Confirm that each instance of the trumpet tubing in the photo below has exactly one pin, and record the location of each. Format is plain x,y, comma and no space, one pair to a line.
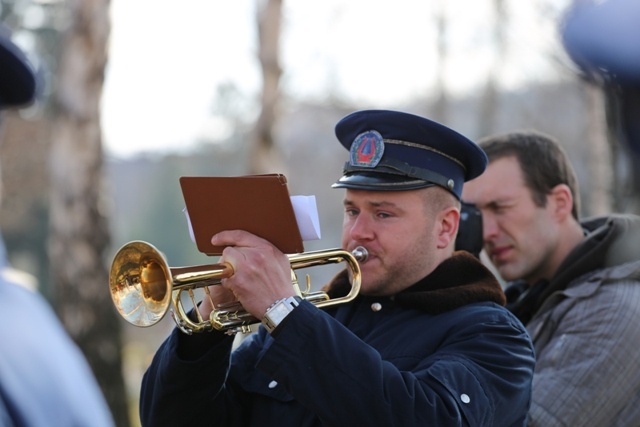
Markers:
143,287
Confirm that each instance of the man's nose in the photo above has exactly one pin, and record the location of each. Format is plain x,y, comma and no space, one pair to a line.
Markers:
489,227
361,228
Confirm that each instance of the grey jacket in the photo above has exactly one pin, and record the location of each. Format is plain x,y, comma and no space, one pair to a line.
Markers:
586,335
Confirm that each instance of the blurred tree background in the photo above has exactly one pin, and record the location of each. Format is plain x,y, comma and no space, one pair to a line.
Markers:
68,204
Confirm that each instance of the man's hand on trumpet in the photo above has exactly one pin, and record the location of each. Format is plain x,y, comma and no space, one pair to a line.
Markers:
262,274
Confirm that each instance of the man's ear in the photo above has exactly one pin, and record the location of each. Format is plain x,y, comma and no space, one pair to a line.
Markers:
448,221
561,200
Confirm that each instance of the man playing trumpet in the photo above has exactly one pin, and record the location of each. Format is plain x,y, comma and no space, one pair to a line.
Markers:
426,342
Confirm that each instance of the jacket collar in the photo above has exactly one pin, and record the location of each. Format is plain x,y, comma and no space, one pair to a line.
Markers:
610,241
460,280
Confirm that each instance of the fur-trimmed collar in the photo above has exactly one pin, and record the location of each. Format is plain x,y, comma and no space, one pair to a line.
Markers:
459,280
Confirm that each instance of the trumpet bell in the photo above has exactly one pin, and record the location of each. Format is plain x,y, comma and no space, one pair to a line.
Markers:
140,283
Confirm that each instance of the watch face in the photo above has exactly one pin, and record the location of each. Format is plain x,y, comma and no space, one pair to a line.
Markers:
278,312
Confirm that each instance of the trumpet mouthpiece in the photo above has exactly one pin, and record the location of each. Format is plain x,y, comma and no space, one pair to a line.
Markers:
360,253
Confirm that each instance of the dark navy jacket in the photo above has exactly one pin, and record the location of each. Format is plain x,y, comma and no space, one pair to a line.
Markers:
442,353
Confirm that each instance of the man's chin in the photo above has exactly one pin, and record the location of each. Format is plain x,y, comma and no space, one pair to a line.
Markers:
368,286
508,274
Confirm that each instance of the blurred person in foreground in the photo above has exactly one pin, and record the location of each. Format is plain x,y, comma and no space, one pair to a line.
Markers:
602,38
426,342
575,284
44,378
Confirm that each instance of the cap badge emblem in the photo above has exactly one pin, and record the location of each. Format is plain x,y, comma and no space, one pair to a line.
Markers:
367,149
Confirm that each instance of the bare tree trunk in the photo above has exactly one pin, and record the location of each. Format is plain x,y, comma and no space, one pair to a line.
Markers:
78,225
600,162
441,104
265,156
489,103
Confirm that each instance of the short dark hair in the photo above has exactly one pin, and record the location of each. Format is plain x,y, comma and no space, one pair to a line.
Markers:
543,162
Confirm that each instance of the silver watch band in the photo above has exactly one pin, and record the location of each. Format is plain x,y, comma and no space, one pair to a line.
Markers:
278,311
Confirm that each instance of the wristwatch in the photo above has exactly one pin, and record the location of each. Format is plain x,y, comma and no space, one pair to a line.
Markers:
278,311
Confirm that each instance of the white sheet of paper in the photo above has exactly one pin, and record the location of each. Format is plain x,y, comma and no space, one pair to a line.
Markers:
305,210
191,234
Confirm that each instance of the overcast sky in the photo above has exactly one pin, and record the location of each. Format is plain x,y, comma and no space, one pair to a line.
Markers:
167,58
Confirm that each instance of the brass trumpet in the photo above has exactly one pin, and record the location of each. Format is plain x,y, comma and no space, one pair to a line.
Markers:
143,286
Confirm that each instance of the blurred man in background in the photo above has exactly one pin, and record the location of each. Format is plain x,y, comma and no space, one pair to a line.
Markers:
574,284
44,378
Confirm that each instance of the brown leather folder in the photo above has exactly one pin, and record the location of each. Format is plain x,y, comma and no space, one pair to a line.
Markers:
260,204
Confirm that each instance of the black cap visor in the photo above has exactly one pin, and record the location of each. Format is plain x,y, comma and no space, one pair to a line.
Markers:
17,80
375,181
